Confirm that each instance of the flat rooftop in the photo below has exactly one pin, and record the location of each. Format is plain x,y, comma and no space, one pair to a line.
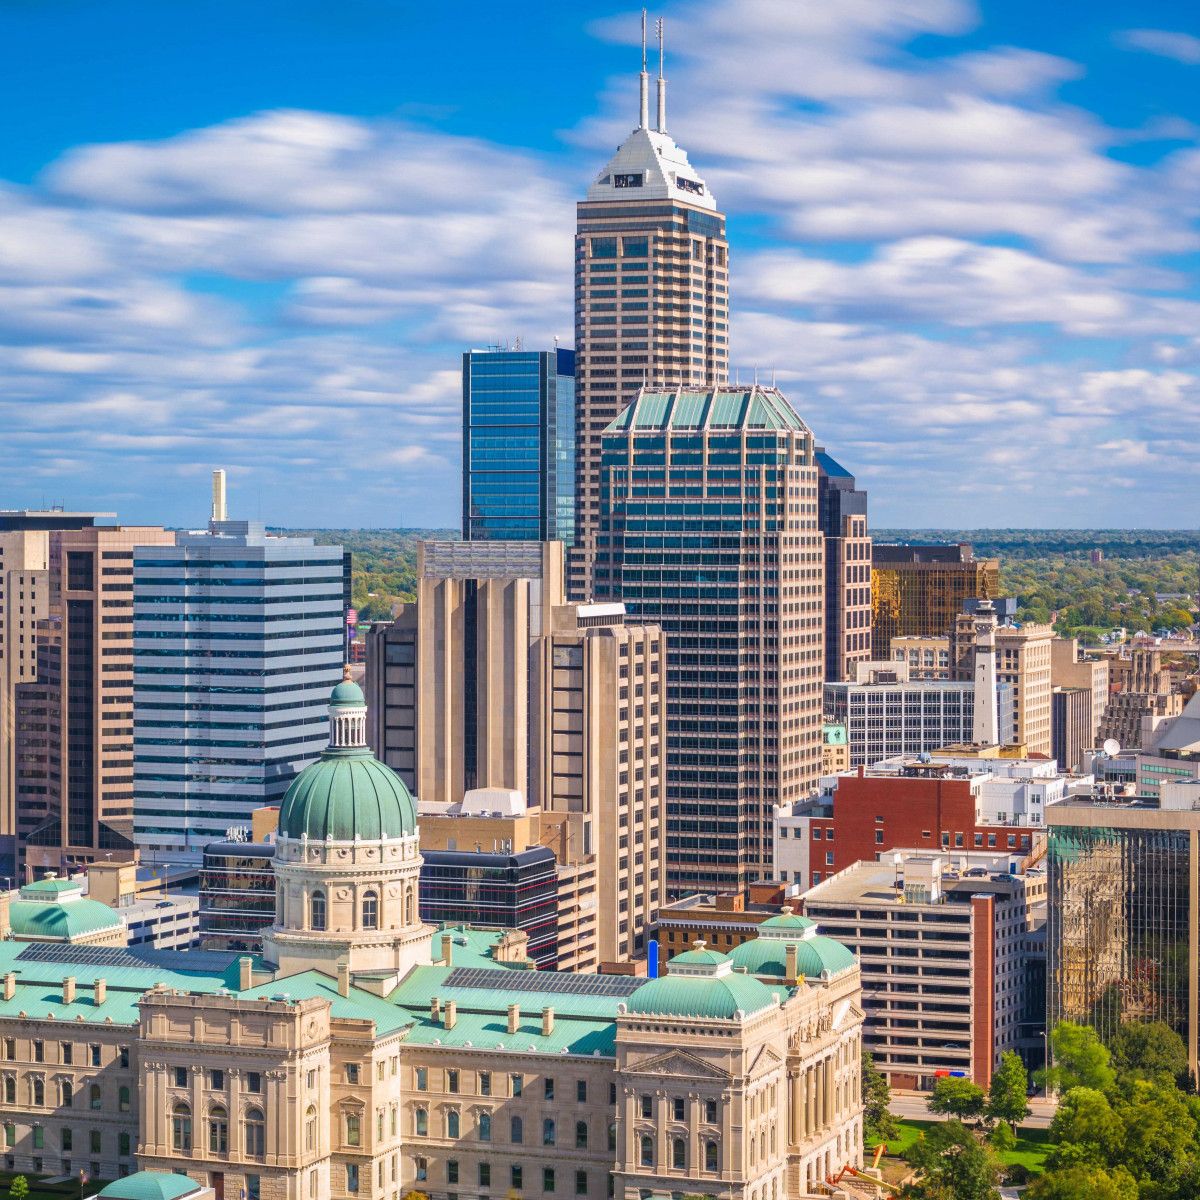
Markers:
963,874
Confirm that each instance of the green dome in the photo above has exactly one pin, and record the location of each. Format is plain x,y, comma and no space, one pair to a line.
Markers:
65,920
787,922
347,794
815,955
721,997
150,1185
698,958
347,694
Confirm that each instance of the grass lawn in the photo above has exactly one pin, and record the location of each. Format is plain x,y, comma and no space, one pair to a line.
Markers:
1031,1148
59,1192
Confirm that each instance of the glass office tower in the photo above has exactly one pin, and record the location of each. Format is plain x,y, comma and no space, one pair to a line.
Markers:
519,445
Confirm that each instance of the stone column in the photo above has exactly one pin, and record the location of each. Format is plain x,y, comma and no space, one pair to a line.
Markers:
793,1108
810,1101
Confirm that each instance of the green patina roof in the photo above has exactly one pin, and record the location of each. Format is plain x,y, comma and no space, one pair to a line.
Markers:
347,694
722,408
698,958
347,794
768,956
50,888
834,734
150,1185
719,997
60,920
788,922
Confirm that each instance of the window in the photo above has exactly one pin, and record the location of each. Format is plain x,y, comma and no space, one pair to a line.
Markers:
352,1072
181,1128
66,1093
422,1079
37,1090
68,1054
68,1139
10,1048
485,1127
516,1175
218,1130
123,1143
255,1131
95,1097
310,1128
421,1122
581,1135
581,1183
39,1137
581,1091
485,1174
678,1153
710,1156
10,1089
94,1055
516,1130
10,1135
123,1099
612,1135
452,1082
370,910
679,1109
353,1129
352,1177
316,911
253,1187
181,1076
452,1171
647,1107
39,1051
452,1123
422,1165
517,1085
94,1142
216,1080
548,1083
254,1082
710,1111
548,1131
646,1157
485,1083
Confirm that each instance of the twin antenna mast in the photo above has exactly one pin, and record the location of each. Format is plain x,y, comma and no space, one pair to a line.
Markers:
644,120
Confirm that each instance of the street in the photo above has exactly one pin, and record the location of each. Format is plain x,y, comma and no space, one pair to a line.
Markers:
913,1104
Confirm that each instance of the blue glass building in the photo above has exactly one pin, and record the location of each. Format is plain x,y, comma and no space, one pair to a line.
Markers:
519,445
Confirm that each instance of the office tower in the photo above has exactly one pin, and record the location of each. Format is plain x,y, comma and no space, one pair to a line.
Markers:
651,297
237,895
967,918
1122,932
920,590
519,445
1068,670
86,776
237,638
843,517
1070,726
1142,693
710,531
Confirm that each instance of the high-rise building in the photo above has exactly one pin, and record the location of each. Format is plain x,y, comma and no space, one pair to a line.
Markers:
1069,670
843,517
1141,693
651,296
519,445
237,639
921,590
1070,726
710,531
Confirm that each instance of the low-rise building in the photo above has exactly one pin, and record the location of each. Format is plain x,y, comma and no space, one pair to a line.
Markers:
723,920
835,748
942,941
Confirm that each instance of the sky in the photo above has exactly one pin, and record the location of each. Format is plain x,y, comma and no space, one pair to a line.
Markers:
965,242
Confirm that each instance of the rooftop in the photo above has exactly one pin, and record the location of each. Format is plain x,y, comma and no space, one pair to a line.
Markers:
725,407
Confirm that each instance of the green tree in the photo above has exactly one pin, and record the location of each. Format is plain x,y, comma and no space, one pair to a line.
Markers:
1002,1138
953,1165
1147,1049
1160,1131
878,1122
1080,1059
1008,1094
1084,1183
957,1098
18,1189
1085,1130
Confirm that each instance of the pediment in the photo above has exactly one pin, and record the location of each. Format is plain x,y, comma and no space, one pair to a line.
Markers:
680,1064
765,1060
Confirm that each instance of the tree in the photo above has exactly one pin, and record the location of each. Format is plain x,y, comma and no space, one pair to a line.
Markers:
18,1189
953,1165
878,1122
1008,1094
1085,1130
1147,1049
1080,1059
1160,1131
1003,1138
956,1097
1084,1183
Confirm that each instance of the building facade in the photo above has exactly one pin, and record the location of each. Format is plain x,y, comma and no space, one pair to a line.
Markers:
238,637
237,895
1069,669
710,532
1141,693
1071,725
651,298
519,445
843,517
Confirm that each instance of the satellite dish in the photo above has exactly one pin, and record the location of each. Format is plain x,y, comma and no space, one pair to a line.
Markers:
1111,747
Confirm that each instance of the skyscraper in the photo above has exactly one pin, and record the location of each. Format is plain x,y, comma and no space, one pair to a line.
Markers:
238,637
519,445
843,516
709,529
651,295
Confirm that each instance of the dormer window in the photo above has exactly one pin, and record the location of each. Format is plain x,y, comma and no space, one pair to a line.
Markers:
628,181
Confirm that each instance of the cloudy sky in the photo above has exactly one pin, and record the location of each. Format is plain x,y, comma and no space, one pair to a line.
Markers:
966,240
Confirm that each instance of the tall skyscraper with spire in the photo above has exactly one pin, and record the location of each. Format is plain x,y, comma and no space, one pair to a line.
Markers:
651,293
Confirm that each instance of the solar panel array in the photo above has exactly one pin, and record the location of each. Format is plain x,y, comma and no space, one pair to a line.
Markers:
204,961
543,981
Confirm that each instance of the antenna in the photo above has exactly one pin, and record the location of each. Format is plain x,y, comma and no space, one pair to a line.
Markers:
644,118
660,26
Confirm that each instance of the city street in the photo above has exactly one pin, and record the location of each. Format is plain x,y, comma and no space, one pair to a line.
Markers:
913,1104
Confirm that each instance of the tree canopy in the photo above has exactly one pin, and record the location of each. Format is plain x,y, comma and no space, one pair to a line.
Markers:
953,1165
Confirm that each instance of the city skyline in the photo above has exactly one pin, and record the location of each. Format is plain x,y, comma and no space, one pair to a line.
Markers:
962,240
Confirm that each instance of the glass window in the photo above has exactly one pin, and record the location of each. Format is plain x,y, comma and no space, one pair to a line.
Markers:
516,1175
485,1083
181,1128
485,1127
353,1129
216,1080
581,1135
310,1128
549,1086
647,1107
547,1179
517,1130
422,1079
581,1091
452,1081
679,1108
123,1099
370,910
181,1077
218,1130
352,1177
678,1153
517,1085
548,1128
254,1082
646,1157
581,1183
711,1157
421,1122
452,1123
316,918
95,1097
255,1133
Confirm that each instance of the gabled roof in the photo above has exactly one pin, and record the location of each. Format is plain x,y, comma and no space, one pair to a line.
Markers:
724,408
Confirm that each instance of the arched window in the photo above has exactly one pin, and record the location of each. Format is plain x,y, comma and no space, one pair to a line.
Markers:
581,1135
66,1093
678,1153
95,1098
711,1156
353,1129
452,1123
646,1157
421,1122
612,1135
370,910
317,911
485,1127
218,1130
10,1089
548,1132
38,1088
310,1128
517,1130
181,1128
123,1099
256,1133
409,918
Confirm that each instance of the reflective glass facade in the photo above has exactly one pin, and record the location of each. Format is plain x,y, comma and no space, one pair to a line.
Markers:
519,445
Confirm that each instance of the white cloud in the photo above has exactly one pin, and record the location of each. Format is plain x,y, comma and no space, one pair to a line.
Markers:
1182,47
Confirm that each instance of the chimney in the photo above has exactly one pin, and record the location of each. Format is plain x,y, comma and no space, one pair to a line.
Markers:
101,991
451,1014
343,969
218,496
514,1018
435,1009
447,950
245,973
547,1021
791,965
10,985
68,989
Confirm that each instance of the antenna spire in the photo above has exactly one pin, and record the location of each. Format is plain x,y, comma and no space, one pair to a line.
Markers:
644,117
660,27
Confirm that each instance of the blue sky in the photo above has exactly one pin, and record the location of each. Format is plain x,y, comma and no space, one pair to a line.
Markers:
258,236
